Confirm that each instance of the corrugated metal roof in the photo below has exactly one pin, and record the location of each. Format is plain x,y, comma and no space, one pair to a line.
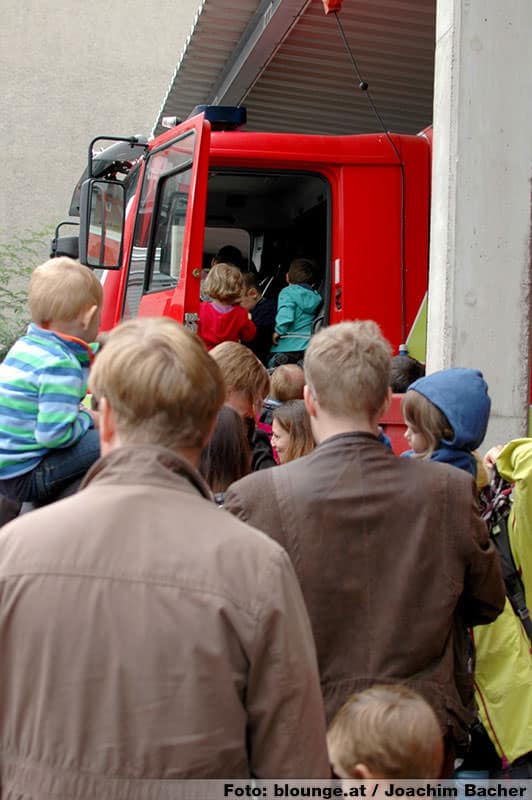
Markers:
216,33
300,77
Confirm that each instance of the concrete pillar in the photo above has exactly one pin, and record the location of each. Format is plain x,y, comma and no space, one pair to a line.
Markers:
480,256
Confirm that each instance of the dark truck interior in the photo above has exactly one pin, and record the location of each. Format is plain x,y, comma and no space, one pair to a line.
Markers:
272,217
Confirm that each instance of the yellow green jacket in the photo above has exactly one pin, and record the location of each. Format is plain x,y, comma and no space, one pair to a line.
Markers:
503,671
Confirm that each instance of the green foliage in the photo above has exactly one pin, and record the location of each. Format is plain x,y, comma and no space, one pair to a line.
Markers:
18,257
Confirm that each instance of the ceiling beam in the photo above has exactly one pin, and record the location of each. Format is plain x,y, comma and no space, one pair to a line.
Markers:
269,27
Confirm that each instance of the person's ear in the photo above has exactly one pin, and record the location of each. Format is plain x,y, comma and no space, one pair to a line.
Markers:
310,401
362,772
385,404
107,424
88,316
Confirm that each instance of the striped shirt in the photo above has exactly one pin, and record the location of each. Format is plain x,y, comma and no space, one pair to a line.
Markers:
42,382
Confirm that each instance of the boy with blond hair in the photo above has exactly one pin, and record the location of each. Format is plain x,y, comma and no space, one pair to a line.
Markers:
145,627
286,383
387,731
47,440
369,532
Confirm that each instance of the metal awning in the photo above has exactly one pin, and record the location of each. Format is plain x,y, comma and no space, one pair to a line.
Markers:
286,62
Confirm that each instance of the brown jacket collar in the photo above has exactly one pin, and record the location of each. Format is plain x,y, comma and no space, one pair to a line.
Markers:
146,464
348,436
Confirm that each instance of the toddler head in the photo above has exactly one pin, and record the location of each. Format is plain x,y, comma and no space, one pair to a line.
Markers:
426,425
386,731
229,254
224,283
405,370
250,292
66,297
302,270
450,408
286,383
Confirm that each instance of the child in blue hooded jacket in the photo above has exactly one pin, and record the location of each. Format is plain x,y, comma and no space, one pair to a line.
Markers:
296,309
447,414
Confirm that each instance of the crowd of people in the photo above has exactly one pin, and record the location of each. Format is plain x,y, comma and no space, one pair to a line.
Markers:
248,582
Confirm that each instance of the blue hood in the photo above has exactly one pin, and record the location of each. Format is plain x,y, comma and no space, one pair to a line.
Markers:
462,395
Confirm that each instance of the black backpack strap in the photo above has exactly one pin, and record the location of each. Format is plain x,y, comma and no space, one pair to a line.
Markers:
515,591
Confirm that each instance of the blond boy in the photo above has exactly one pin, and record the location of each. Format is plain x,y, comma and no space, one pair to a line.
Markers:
387,731
287,382
47,440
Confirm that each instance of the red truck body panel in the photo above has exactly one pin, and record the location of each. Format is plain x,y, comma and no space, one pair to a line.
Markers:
378,220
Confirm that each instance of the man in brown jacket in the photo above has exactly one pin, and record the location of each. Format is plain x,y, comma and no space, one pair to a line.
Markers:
144,633
391,554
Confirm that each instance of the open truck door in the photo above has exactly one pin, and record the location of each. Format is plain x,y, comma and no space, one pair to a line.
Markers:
160,247
170,224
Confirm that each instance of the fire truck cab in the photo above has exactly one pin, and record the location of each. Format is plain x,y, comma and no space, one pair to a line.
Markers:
152,215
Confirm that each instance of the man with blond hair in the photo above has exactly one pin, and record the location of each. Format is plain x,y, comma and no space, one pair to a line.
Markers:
144,634
47,441
391,553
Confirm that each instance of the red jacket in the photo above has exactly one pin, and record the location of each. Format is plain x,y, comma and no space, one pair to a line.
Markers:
217,326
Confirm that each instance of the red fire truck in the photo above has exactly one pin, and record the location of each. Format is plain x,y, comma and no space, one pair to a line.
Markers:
152,215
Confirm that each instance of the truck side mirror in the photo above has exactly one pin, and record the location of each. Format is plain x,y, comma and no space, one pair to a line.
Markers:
65,245
102,214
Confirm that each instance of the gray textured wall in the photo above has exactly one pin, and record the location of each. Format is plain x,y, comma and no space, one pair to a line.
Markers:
69,72
479,284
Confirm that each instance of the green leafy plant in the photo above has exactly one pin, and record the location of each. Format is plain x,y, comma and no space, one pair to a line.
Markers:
18,256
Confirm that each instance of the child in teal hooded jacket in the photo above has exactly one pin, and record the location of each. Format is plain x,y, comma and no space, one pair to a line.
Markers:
296,309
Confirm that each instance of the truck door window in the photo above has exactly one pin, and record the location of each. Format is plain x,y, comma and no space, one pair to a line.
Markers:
169,165
165,261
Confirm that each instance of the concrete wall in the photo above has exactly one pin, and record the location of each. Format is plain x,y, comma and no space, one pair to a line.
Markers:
479,288
69,72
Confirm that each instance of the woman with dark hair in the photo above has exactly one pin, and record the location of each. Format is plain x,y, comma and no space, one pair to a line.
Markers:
226,458
291,431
